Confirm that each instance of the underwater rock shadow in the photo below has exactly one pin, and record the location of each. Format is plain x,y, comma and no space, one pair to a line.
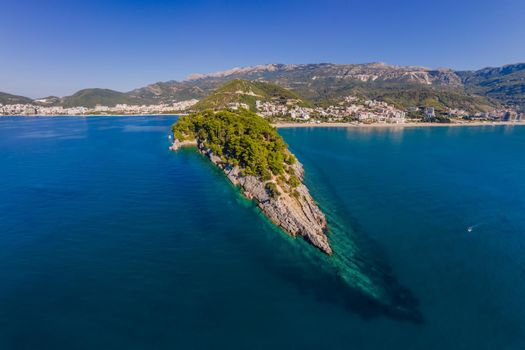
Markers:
368,257
329,288
322,276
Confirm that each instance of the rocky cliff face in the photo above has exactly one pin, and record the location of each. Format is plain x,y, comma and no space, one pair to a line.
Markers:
296,214
369,72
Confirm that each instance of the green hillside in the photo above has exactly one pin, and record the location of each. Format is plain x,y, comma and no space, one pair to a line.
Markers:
404,95
8,99
248,92
93,97
503,84
172,91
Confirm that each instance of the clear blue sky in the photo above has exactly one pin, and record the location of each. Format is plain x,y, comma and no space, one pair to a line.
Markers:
57,47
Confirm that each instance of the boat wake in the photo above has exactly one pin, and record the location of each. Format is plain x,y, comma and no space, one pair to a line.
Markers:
471,228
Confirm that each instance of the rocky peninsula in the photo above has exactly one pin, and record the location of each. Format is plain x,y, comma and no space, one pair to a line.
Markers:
254,157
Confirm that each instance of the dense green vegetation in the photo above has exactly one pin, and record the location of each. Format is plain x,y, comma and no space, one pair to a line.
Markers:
239,138
248,92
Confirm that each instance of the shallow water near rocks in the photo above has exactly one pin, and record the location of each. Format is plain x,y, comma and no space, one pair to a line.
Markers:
109,240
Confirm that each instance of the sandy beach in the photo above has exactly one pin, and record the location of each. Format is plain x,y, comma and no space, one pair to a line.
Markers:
405,125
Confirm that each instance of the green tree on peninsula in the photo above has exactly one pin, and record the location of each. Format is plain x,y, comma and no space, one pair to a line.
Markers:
239,138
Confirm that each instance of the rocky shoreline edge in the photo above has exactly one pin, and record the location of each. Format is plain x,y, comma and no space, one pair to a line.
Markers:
296,214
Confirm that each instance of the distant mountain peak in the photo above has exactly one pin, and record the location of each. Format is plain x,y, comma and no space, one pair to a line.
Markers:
237,70
366,72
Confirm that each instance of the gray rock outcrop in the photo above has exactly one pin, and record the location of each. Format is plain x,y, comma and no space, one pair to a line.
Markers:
295,212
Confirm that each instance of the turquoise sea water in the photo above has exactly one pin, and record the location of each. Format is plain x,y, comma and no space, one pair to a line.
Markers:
110,241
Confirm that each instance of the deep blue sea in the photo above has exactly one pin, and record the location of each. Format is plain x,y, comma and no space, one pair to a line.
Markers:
110,241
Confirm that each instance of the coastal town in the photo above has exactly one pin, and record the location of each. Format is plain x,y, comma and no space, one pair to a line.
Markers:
119,109
351,109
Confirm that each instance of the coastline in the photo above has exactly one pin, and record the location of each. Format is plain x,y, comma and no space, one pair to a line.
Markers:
296,125
97,115
392,126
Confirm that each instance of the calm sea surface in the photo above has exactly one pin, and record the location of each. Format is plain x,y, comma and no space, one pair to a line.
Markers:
110,241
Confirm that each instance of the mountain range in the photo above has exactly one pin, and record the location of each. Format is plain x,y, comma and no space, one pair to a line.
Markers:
326,83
